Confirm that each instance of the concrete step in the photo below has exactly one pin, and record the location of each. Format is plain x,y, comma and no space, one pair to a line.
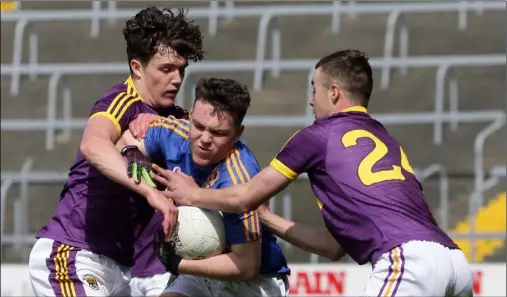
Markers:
30,103
7,39
18,146
160,4
33,95
271,102
55,5
43,199
438,33
75,45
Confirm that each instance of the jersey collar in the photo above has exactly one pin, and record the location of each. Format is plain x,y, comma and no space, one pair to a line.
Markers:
352,109
356,109
131,86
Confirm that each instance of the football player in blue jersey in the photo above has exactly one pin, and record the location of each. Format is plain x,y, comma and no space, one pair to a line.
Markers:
208,148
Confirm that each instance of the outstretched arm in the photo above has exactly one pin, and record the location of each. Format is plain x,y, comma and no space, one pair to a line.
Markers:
316,240
237,199
302,153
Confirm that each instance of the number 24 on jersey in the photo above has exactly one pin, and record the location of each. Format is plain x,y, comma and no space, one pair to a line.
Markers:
365,170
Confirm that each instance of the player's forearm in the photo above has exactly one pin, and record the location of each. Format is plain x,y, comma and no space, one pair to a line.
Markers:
311,239
224,267
127,139
232,199
104,156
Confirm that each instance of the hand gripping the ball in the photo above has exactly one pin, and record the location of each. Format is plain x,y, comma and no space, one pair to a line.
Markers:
138,166
166,253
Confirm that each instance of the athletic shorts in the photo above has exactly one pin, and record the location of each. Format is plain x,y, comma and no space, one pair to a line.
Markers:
57,269
196,286
421,268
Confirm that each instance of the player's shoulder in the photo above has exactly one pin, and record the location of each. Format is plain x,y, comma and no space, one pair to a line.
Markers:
121,93
172,120
240,165
244,154
315,133
172,126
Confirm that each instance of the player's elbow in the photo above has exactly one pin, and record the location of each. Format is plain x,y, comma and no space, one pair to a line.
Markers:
242,208
249,270
87,147
238,205
248,264
332,257
246,205
335,255
93,146
248,276
240,200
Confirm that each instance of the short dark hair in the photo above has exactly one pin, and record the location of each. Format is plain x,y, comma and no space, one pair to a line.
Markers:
151,28
225,95
352,69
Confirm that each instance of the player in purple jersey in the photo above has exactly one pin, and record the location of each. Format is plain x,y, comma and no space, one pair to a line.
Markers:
372,204
88,246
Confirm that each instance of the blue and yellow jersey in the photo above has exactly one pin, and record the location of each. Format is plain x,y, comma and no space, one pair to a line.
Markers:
239,167
166,142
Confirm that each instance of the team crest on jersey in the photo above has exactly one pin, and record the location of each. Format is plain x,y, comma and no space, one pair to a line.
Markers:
212,178
91,281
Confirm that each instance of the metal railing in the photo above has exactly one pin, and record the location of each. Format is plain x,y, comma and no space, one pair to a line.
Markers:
266,14
56,71
481,184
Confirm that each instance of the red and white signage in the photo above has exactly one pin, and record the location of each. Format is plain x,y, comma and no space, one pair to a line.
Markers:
305,280
349,280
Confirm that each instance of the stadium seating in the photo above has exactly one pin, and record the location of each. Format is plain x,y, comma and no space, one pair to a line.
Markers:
460,165
489,218
8,6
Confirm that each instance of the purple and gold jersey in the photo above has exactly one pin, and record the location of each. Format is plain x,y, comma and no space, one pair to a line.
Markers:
369,197
239,167
94,212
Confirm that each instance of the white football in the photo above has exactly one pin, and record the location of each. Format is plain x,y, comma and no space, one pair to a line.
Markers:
200,233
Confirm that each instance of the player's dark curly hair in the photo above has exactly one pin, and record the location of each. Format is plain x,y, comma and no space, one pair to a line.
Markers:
225,95
151,28
352,69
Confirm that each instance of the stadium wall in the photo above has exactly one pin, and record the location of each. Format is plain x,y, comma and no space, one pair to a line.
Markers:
305,279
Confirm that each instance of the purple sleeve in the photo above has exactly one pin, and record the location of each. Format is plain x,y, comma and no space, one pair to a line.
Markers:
121,108
302,152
